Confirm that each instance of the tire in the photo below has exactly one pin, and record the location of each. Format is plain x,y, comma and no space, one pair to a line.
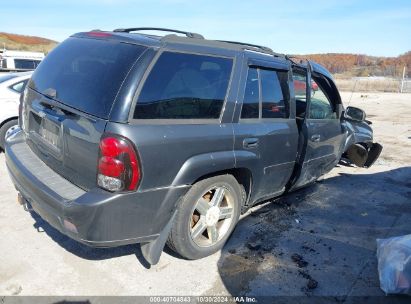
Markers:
190,221
4,129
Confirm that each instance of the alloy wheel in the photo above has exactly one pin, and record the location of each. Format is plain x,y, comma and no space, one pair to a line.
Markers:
211,217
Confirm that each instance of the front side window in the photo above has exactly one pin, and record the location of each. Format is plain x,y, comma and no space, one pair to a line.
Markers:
321,106
300,85
185,86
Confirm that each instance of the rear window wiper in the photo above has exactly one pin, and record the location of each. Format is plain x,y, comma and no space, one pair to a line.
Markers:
50,92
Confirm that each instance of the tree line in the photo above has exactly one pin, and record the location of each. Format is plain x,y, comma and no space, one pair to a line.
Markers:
362,65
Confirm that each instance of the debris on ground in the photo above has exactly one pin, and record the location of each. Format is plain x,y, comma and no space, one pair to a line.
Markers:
307,248
311,283
232,251
267,247
253,246
299,260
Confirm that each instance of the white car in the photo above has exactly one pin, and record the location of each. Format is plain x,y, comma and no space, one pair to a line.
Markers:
19,60
11,86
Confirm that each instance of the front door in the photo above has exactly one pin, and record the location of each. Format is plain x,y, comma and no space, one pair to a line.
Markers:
321,133
266,136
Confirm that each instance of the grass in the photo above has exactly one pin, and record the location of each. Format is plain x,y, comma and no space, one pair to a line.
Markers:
370,85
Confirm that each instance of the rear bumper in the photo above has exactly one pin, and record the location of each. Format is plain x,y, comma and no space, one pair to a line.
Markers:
97,218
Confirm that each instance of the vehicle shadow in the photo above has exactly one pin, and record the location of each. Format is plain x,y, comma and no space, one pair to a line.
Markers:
84,251
319,241
331,225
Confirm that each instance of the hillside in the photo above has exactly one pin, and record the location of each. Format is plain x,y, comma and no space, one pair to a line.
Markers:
26,43
362,65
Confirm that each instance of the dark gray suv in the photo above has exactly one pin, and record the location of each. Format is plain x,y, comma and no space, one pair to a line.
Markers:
135,138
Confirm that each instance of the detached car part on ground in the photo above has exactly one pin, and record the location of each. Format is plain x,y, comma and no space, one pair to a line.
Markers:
134,138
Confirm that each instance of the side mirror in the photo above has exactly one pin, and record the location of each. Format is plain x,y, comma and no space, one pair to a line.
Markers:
354,114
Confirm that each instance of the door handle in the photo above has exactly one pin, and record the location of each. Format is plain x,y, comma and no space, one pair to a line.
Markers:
316,137
250,142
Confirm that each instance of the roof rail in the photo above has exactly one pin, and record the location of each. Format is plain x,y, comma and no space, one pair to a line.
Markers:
264,48
135,29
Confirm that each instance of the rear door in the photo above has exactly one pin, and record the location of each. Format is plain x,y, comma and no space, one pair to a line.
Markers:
322,136
266,134
69,100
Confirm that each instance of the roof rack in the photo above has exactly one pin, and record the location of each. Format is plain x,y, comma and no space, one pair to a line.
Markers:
135,29
263,48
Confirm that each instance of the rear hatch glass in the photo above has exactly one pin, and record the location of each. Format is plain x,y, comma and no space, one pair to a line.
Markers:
86,74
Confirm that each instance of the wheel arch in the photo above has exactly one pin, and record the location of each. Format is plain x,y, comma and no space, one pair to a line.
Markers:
207,165
8,119
243,176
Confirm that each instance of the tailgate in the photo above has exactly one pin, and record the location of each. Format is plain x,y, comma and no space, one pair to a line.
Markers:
65,139
69,99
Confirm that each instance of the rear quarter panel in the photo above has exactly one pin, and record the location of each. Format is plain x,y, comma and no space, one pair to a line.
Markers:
173,155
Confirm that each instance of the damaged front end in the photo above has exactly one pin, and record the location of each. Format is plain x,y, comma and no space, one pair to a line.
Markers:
361,155
359,150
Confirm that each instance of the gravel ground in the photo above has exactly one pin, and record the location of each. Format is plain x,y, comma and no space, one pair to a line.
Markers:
319,241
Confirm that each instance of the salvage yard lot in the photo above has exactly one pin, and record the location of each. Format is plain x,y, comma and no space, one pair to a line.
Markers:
317,241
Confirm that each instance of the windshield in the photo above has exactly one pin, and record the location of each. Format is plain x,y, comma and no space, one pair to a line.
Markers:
86,74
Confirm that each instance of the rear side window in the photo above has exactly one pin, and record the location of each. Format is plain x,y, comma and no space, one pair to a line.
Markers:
86,73
184,86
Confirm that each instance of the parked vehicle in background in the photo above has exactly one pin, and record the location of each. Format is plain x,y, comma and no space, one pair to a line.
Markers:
11,86
300,86
134,138
19,60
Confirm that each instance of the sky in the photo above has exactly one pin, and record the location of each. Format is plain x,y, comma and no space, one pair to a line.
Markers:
372,27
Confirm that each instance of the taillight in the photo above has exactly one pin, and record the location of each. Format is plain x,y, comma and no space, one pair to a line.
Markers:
118,167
